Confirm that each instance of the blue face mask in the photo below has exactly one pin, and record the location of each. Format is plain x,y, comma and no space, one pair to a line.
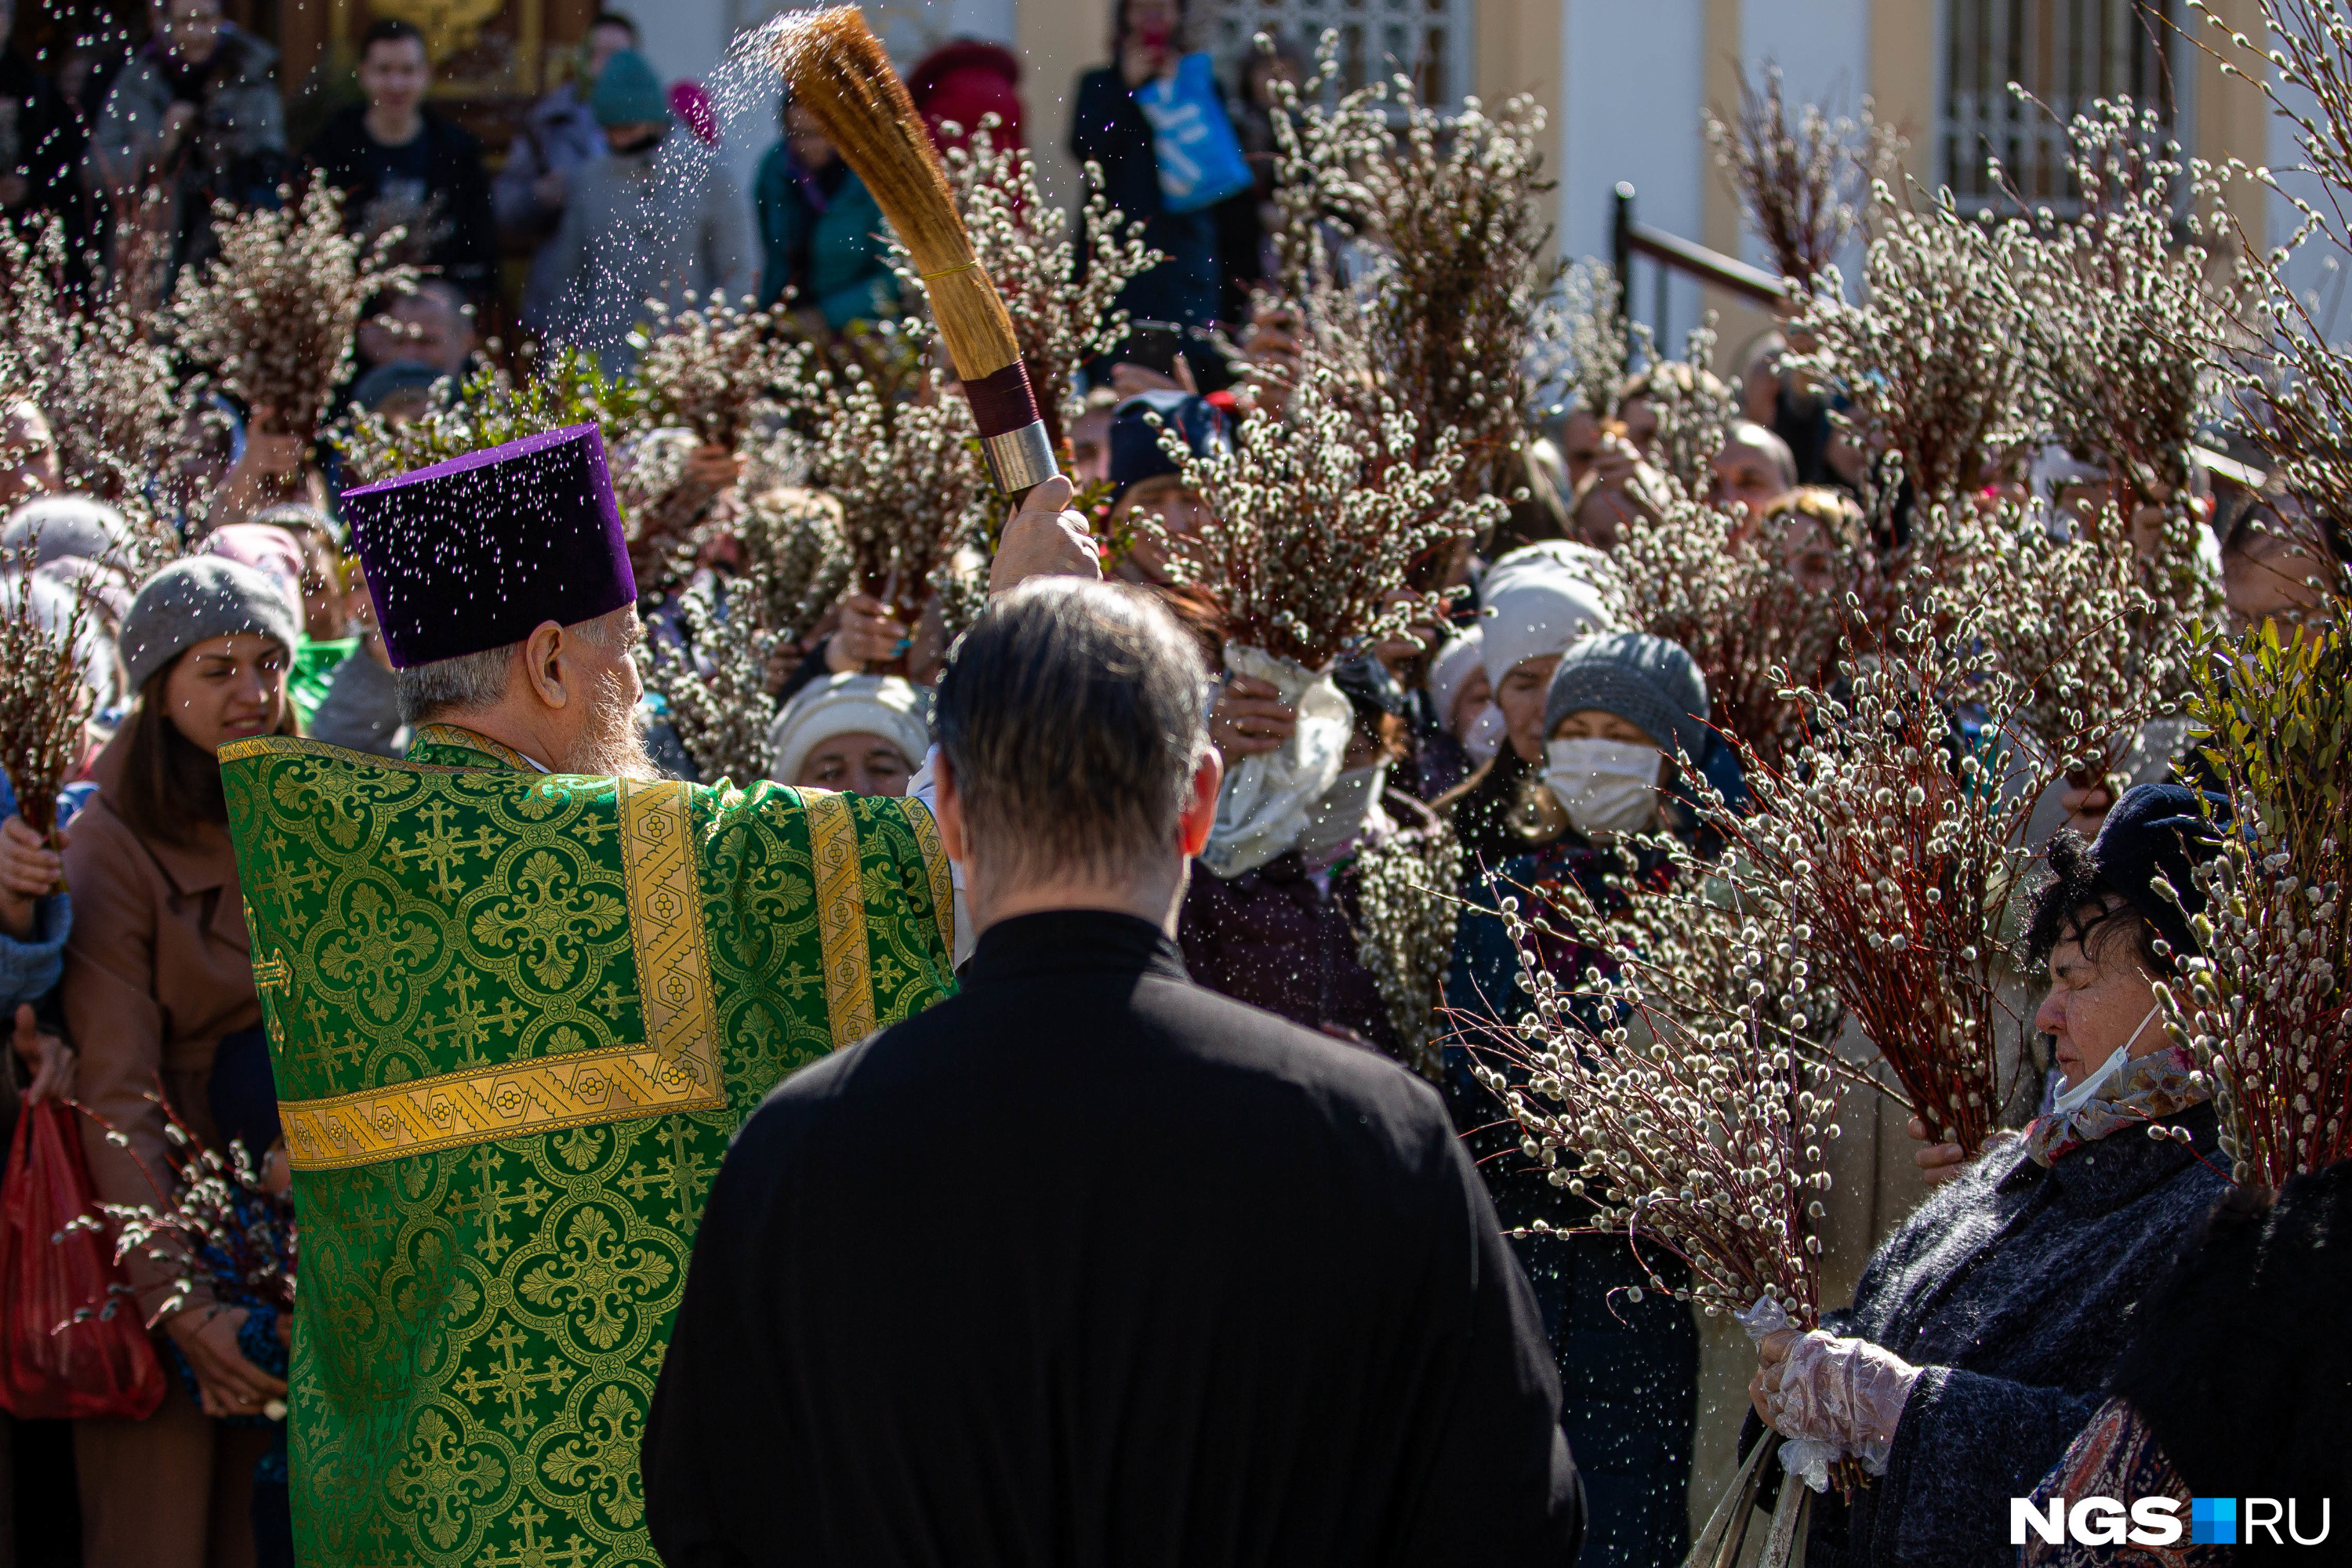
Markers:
2079,1094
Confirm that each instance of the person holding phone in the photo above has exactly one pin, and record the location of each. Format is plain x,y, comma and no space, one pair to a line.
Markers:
1109,128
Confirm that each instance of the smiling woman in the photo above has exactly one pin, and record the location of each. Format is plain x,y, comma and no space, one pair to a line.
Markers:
158,972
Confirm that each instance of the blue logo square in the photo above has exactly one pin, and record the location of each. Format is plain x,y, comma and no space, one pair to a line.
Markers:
2213,1520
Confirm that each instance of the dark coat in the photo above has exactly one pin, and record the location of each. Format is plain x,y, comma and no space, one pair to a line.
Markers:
1285,939
1108,128
467,246
2240,1362
2011,1287
845,247
43,144
1089,1266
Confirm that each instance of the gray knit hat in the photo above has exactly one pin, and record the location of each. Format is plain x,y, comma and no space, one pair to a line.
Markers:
1642,680
196,597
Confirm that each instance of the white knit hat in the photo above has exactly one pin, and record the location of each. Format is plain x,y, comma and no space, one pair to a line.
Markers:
1538,600
885,705
1449,671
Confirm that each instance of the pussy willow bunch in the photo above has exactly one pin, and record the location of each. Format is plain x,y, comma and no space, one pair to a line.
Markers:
794,560
494,406
1748,622
1693,406
2291,385
43,697
1932,365
2265,1010
1580,341
1404,897
791,564
906,474
1685,1085
1323,140
713,366
273,315
106,387
718,685
213,1225
1448,200
1804,187
1025,244
2119,318
1462,244
1891,842
2091,655
1316,522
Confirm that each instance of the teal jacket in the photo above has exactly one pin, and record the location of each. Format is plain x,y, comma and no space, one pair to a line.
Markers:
849,268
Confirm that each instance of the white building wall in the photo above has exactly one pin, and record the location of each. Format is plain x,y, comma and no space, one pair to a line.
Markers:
2320,274
1634,81
1823,48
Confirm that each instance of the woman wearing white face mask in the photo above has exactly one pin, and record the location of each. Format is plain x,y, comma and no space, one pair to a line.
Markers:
1982,1333
1533,604
1281,936
1620,707
1601,726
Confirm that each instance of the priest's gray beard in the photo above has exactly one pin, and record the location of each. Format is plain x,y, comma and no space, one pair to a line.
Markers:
614,742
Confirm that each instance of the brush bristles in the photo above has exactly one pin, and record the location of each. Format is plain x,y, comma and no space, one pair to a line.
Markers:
839,73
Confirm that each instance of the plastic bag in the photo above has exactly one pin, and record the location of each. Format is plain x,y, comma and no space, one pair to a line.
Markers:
1268,799
1200,158
71,1342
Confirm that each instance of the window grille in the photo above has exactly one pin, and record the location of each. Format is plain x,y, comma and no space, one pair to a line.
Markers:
2065,53
1428,40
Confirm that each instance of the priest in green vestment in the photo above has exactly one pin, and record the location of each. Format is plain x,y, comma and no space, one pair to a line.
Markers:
520,990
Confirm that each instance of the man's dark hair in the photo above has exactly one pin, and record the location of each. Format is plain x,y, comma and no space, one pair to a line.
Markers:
391,30
1073,714
627,24
2077,904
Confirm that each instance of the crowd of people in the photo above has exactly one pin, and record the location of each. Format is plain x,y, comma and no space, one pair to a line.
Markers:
1296,1277
614,186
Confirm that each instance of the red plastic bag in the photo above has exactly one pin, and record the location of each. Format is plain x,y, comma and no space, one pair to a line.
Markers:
53,1366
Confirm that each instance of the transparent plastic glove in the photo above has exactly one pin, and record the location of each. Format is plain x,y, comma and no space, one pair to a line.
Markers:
1849,1393
1808,1459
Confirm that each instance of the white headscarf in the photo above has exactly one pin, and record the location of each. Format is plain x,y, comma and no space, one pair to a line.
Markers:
884,705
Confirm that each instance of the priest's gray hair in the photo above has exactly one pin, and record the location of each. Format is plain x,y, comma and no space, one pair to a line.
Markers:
475,682
1073,714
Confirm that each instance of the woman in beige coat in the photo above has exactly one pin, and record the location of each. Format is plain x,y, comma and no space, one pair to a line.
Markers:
158,969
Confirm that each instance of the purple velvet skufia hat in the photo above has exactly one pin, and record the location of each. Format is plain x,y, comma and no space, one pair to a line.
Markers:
470,554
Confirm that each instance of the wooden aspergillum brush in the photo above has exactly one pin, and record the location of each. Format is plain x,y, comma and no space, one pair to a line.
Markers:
838,72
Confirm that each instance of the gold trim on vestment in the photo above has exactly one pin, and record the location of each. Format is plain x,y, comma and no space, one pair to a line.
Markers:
475,741
677,1071
451,1111
303,746
665,924
935,861
840,915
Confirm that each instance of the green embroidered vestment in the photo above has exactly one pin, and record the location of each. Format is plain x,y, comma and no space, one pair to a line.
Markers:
515,1018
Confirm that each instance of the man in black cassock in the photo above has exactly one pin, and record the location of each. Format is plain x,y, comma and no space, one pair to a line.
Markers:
1089,1266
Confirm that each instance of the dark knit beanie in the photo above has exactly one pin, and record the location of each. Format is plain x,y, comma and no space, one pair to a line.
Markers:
1642,680
2157,829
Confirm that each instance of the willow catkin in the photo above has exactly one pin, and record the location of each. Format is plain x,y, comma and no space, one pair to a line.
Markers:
44,630
274,314
1315,521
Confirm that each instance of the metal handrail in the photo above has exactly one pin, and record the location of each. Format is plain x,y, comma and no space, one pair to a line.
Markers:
1629,239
